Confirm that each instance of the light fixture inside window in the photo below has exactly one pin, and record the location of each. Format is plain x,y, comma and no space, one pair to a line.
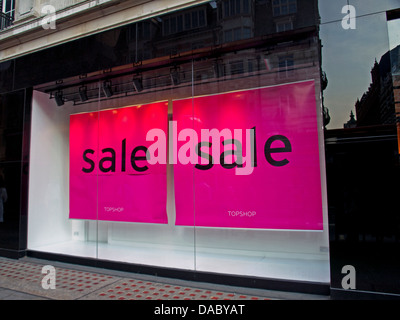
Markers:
138,84
107,89
83,93
175,77
59,98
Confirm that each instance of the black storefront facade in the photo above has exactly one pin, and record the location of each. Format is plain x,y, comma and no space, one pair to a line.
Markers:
249,50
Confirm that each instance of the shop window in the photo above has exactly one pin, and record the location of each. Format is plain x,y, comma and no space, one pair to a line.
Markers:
188,21
282,7
198,218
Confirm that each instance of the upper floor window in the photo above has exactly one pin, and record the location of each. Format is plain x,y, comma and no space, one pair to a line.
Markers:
286,66
8,7
141,30
282,7
7,13
184,21
236,34
230,8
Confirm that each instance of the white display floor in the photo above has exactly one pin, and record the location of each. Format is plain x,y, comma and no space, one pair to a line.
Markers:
257,264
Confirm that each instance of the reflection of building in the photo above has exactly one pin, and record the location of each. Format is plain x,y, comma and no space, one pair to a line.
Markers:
362,173
377,106
230,40
352,123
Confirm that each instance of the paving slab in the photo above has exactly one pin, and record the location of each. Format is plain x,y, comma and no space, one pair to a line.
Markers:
132,289
22,279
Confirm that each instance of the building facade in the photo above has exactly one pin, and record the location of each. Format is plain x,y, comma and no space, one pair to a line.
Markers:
198,139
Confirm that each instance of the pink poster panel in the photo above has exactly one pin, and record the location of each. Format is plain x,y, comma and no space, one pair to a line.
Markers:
110,177
255,159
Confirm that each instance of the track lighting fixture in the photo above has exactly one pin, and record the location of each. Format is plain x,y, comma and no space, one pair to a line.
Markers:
107,89
83,93
138,84
59,98
175,77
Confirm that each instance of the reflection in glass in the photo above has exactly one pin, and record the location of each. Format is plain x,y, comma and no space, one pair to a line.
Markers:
362,149
266,56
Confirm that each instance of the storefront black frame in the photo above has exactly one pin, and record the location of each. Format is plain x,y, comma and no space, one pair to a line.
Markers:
8,72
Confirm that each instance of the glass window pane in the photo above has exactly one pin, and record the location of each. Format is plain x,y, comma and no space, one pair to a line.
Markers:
8,5
195,19
166,26
237,33
66,222
173,24
180,23
137,210
359,97
232,7
225,212
246,8
228,35
237,6
226,8
202,18
258,212
188,23
331,10
246,33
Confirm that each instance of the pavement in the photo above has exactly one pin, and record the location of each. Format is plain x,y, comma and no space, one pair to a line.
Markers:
25,279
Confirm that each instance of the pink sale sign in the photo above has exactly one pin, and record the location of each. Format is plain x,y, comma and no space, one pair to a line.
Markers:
245,159
254,159
110,177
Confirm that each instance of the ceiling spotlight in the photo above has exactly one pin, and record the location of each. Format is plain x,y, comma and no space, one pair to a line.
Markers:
138,84
59,98
175,77
83,93
107,89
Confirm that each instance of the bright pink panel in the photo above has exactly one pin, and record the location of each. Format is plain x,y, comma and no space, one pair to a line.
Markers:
282,190
110,179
